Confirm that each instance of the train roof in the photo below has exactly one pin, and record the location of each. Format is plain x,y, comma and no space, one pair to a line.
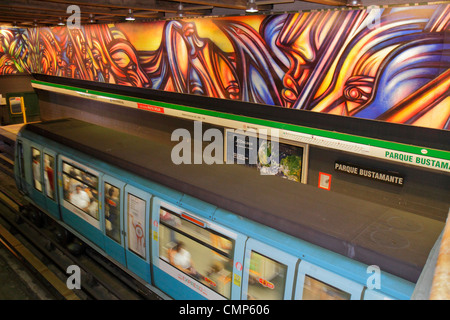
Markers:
397,241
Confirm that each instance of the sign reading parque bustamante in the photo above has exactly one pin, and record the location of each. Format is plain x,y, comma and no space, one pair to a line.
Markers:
389,177
415,159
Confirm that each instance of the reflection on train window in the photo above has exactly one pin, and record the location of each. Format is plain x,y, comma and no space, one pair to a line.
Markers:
49,176
36,155
199,252
136,225
112,212
314,289
81,189
267,278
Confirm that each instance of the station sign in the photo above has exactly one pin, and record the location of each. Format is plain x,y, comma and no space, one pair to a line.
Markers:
373,174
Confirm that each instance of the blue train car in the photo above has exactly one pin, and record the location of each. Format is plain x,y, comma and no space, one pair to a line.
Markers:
210,231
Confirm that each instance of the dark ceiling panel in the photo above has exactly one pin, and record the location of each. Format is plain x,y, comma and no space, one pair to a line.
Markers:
50,12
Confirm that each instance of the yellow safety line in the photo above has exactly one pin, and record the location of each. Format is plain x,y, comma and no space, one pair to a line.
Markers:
38,265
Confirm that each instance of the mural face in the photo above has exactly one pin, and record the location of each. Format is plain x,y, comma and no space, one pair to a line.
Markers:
390,64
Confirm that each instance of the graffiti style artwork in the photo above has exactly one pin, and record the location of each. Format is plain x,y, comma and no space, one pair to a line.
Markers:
14,51
381,63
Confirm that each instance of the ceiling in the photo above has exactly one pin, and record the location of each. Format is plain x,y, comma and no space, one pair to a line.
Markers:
49,12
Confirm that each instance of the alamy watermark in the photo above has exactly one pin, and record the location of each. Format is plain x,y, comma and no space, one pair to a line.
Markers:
374,280
374,17
74,280
250,146
74,20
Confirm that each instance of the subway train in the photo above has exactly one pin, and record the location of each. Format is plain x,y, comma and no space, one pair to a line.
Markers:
210,231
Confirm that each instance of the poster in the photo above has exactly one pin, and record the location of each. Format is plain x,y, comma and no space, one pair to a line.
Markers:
241,148
280,159
268,156
136,225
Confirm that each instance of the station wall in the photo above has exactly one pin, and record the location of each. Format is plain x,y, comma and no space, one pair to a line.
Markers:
15,83
423,192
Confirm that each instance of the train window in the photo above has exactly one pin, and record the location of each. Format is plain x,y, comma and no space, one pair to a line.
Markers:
112,212
136,225
267,278
37,167
314,289
316,283
199,252
81,189
49,177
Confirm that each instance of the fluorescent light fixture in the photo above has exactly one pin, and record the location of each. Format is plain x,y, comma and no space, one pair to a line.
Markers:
354,3
251,6
130,16
180,10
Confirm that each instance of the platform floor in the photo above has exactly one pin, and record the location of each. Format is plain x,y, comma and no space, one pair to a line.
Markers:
10,131
13,128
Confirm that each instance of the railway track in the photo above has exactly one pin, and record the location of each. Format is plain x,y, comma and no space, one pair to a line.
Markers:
56,289
6,158
36,240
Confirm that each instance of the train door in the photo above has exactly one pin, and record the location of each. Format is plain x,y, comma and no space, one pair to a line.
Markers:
136,217
49,170
37,181
19,167
268,272
315,283
113,221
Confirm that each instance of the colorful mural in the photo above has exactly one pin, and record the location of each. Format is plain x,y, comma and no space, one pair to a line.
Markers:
385,63
14,51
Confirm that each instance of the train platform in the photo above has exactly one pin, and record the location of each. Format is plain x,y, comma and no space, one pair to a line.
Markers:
8,133
8,136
